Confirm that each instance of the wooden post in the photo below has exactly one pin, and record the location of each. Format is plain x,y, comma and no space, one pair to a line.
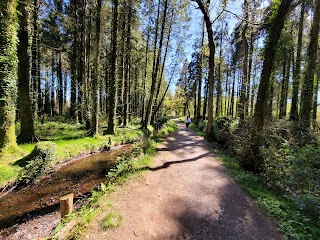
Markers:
66,204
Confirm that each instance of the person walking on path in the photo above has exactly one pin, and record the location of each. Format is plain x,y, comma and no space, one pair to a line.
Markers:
187,121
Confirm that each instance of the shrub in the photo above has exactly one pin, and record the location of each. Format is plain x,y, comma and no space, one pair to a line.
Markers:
38,162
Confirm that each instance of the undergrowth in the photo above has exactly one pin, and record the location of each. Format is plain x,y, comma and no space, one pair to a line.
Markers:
288,189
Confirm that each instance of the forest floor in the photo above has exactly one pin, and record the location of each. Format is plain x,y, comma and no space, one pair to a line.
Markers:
188,194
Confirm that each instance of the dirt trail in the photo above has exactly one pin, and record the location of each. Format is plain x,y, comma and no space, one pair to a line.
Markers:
188,195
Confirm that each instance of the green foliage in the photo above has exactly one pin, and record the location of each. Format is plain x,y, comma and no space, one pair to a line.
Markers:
37,163
112,220
288,189
291,217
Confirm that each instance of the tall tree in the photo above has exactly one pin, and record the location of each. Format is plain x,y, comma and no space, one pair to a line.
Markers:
112,101
155,67
204,7
8,71
95,81
297,69
35,62
26,120
244,81
254,161
308,83
316,90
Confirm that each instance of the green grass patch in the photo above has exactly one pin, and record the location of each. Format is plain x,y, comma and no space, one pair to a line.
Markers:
112,220
71,140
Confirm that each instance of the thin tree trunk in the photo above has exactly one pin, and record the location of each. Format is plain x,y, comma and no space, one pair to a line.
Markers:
26,120
284,86
162,71
219,90
249,91
74,75
243,92
60,83
95,82
316,89
127,65
52,96
113,83
212,48
308,84
297,70
34,59
199,76
205,100
154,70
145,77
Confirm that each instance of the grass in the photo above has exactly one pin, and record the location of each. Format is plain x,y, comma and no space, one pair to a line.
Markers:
71,141
112,220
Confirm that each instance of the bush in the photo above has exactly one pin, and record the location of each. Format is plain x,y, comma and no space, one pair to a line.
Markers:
37,163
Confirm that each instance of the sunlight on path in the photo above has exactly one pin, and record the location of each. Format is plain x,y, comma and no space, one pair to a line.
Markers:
186,195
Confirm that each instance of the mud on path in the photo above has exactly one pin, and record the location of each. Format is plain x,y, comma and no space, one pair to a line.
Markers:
33,211
187,195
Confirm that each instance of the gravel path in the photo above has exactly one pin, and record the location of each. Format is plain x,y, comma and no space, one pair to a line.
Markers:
187,195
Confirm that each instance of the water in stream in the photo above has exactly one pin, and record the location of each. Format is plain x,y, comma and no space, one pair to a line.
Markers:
79,177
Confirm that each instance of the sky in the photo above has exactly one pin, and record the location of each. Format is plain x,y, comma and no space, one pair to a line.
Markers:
195,29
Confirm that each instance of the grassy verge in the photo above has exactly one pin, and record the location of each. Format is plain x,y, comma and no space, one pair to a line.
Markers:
291,220
128,166
71,142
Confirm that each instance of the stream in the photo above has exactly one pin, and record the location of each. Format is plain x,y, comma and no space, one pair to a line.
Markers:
79,176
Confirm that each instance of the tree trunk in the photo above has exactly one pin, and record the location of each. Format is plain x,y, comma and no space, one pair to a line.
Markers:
8,71
254,162
316,89
26,120
308,84
232,94
249,98
205,100
161,72
60,83
243,91
127,65
212,48
199,76
52,96
34,59
297,70
284,85
154,70
219,90
145,77
95,82
112,101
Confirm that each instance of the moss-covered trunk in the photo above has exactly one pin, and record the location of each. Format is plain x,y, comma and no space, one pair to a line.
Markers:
8,72
26,119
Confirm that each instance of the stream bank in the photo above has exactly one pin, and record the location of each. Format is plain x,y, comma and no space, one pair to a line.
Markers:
42,198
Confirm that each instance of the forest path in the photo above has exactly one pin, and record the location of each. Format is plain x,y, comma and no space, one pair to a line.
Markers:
187,195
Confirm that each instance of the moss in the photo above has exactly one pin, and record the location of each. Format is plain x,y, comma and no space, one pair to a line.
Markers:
37,163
